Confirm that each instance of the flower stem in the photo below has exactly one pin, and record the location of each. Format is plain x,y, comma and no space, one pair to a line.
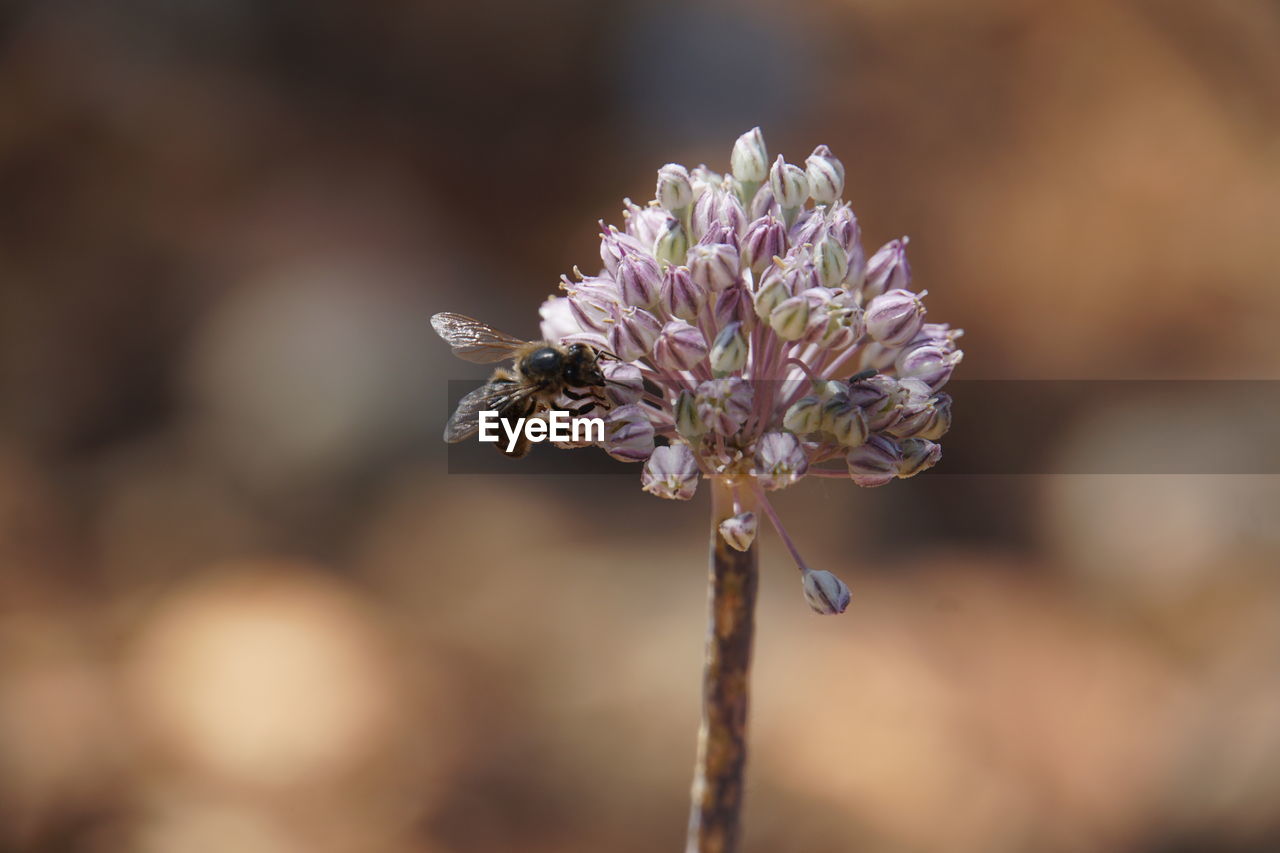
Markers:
714,819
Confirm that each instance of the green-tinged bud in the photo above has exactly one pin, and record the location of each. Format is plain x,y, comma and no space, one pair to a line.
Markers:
918,454
750,159
729,352
688,421
832,262
844,421
804,416
770,294
739,531
826,389
790,319
940,422
671,472
825,174
825,592
789,185
675,190
672,246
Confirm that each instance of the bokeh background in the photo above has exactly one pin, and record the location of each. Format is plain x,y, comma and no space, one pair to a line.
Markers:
243,605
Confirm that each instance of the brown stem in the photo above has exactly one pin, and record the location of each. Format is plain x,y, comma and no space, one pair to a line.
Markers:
714,819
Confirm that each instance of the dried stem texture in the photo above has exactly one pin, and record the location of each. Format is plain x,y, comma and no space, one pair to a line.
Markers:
715,816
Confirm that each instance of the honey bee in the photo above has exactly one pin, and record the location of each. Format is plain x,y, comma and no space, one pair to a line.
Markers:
539,374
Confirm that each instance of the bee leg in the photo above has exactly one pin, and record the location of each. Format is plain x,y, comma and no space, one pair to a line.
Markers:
585,409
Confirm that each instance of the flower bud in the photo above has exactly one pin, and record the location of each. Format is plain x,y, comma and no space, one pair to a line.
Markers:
825,389
780,460
689,423
831,261
614,245
724,404
844,421
880,398
887,270
922,412
592,301
729,351
804,416
675,191
713,266
940,419
706,212
679,296
771,292
750,159
763,204
672,244
932,363
790,319
810,227
639,280
644,224
633,333
825,592
895,317
875,462
877,356
680,346
918,454
789,184
825,174
624,383
764,239
628,434
739,531
671,472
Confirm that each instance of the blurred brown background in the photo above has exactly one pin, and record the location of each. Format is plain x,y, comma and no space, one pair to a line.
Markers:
243,607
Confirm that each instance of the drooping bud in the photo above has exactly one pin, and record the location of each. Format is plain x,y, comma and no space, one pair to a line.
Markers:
826,593
672,244
771,292
739,531
633,333
940,419
680,346
675,191
729,351
844,421
713,266
825,174
918,454
804,416
887,270
764,239
932,363
689,423
734,305
671,472
628,434
791,318
724,404
639,280
679,295
750,159
789,185
780,460
875,462
831,261
893,318
623,382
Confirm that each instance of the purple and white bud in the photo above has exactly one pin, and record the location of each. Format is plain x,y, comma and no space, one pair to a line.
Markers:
764,239
844,421
887,270
714,266
804,416
940,418
679,296
614,245
790,319
893,318
729,351
644,224
680,346
750,159
675,190
875,462
672,245
633,333
624,383
706,212
918,454
877,356
844,322
810,227
780,460
628,434
639,280
724,404
842,226
921,412
689,424
825,592
718,217
932,363
763,204
592,301
825,174
771,292
789,185
831,262
734,305
880,397
671,472
739,531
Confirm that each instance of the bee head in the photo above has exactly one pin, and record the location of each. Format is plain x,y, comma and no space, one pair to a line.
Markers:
581,368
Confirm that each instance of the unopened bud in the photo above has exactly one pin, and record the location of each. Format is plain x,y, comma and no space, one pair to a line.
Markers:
771,293
887,269
624,383
804,416
875,462
671,472
714,266
893,318
734,305
844,421
724,404
689,423
918,454
672,244
764,239
639,280
825,174
680,346
790,319
675,191
831,261
826,593
679,295
628,434
932,363
633,333
739,531
750,159
729,351
789,184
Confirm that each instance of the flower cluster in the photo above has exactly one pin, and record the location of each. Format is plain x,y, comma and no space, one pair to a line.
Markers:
753,339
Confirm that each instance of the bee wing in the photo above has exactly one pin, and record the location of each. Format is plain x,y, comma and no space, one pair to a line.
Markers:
472,340
493,396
